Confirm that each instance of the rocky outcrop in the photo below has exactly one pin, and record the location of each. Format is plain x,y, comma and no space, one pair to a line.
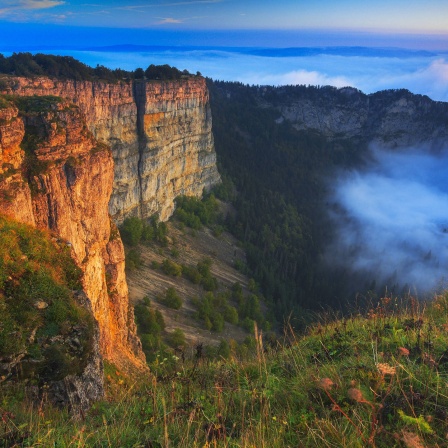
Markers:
159,132
390,118
54,174
77,392
15,193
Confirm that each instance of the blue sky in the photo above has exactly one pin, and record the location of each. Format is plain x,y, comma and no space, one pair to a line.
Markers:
396,16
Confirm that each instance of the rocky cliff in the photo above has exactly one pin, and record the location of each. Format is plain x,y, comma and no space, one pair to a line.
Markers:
57,171
54,174
390,118
159,132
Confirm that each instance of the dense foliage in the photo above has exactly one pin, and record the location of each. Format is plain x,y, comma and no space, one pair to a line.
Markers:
171,299
194,212
150,324
279,175
62,67
135,230
213,309
156,342
162,72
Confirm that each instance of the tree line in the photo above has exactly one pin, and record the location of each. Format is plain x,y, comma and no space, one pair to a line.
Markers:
67,67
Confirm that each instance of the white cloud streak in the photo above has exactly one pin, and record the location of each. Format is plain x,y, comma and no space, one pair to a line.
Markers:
164,5
425,75
169,20
304,77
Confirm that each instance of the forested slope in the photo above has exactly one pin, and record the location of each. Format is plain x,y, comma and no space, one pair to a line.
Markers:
279,173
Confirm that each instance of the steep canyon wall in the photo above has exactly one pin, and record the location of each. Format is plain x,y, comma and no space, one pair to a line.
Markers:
54,174
160,133
80,156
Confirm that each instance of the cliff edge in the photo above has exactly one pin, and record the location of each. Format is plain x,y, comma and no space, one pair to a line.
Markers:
78,156
55,175
160,133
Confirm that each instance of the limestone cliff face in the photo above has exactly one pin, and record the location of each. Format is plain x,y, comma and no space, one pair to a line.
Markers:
391,118
15,193
176,144
159,132
55,175
56,171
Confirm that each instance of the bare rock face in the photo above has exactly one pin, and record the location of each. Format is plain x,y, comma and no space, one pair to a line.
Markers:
176,144
390,118
159,132
15,193
56,175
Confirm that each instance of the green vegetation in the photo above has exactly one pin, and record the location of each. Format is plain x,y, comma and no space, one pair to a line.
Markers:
131,231
135,230
4,103
164,72
62,67
156,342
194,212
213,309
201,274
377,380
171,268
66,67
39,312
133,259
31,105
171,299
176,338
208,282
192,274
210,311
150,324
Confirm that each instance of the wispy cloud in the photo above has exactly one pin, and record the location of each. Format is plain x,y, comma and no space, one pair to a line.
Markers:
169,20
432,79
164,5
12,8
425,75
40,4
304,77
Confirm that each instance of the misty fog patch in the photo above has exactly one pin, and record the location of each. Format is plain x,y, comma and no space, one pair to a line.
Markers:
391,221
